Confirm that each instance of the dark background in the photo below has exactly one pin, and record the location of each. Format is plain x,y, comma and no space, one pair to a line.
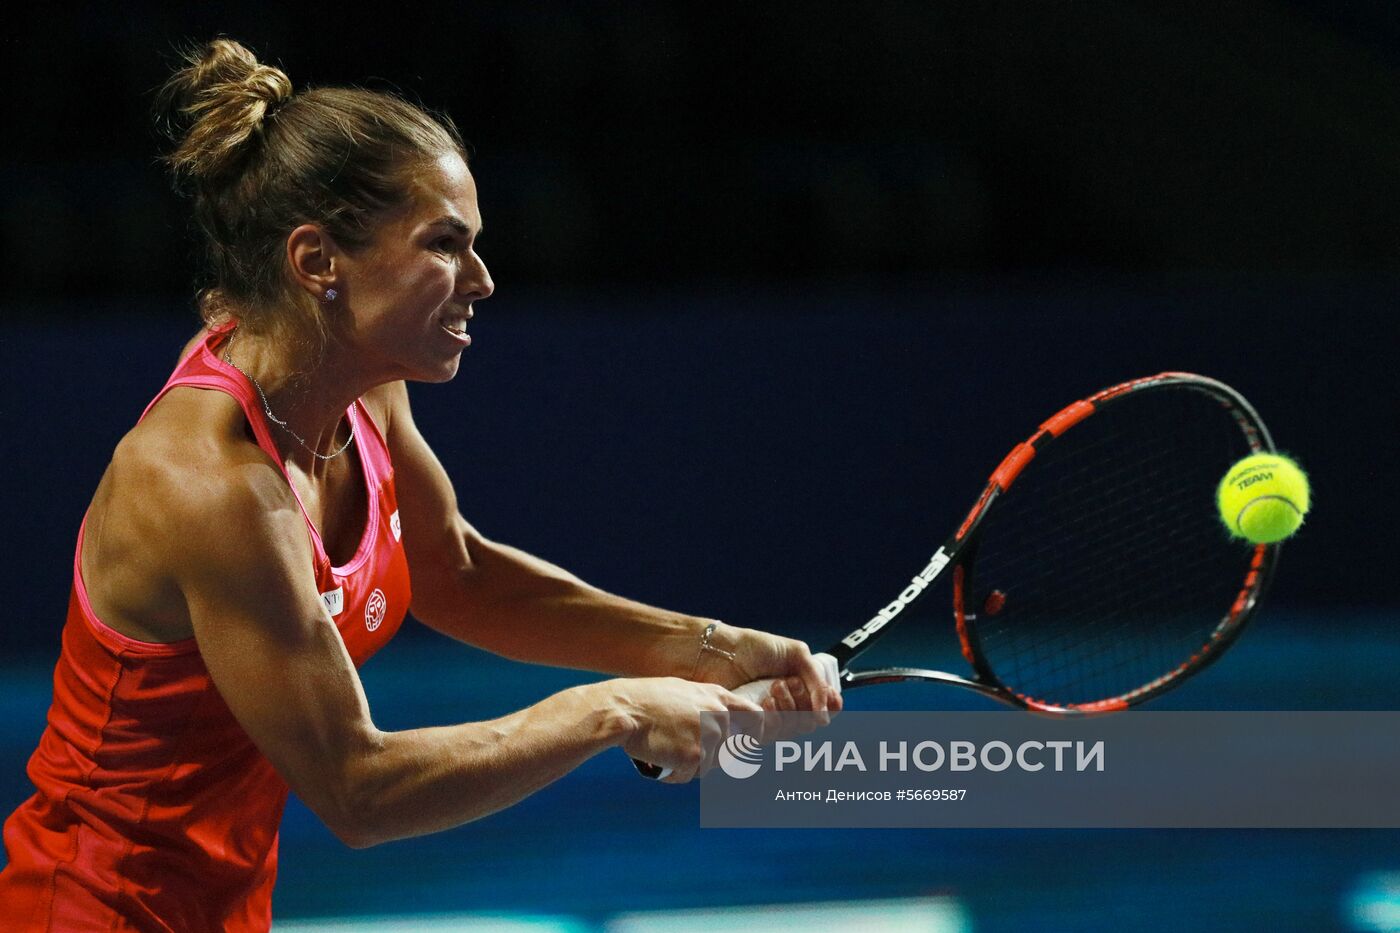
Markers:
626,145
778,284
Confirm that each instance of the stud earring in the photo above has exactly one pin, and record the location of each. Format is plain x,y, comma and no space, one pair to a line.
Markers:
331,294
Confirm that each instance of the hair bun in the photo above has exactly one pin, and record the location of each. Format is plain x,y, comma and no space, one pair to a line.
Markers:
214,107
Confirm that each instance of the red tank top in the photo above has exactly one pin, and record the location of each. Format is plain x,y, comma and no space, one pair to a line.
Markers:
154,810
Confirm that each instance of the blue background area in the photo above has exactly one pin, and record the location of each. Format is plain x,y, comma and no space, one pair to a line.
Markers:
783,460
601,840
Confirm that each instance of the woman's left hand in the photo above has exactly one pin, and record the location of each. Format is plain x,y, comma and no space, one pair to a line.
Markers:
799,681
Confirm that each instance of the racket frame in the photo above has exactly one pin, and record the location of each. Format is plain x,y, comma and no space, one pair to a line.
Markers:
957,555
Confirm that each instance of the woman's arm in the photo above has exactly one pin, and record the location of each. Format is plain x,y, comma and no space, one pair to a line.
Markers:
236,546
499,598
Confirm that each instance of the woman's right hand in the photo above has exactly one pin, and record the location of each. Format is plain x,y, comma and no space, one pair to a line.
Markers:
667,728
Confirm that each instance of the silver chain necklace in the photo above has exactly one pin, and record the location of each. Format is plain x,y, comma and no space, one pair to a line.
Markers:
267,410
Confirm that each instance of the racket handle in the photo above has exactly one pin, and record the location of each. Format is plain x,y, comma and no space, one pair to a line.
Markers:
754,691
650,771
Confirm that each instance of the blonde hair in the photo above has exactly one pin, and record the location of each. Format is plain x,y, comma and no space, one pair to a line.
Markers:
258,159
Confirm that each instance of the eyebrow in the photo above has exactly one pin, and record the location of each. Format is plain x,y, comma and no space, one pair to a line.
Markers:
455,223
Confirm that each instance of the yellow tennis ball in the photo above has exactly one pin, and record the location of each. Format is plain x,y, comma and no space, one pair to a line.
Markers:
1263,498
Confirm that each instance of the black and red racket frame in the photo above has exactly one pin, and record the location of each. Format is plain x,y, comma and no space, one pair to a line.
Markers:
959,554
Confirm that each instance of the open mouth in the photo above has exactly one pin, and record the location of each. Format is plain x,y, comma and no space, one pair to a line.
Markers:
456,327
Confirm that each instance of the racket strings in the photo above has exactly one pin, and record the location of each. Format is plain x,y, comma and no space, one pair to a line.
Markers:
1101,642
1111,620
1107,642
1183,524
1112,567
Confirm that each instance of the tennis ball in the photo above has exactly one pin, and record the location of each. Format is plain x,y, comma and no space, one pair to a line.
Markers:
1263,498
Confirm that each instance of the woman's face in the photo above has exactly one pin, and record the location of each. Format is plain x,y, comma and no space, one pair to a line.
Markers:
409,293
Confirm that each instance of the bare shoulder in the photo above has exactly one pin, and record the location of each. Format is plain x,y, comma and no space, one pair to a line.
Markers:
187,498
204,475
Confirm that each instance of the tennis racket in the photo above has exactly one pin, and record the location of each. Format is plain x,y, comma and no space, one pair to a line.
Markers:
1093,573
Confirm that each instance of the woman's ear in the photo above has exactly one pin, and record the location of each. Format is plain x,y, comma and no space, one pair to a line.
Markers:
311,259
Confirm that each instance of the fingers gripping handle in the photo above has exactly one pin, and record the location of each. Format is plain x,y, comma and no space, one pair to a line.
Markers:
755,691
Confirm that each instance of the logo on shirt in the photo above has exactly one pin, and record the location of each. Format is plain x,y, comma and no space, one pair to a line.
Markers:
394,525
334,601
375,607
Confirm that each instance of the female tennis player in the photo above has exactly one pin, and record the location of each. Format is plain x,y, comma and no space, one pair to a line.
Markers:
265,527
